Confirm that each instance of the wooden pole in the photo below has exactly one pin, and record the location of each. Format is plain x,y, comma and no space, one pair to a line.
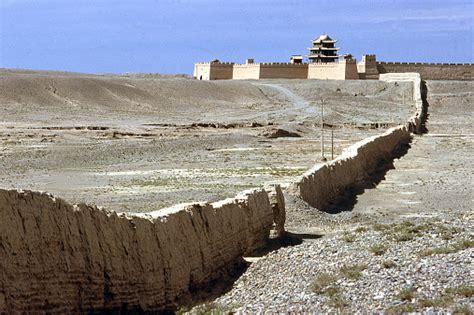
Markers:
332,144
322,130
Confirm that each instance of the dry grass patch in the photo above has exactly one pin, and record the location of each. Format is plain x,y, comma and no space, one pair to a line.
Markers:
361,229
449,249
463,309
323,282
353,271
463,290
407,231
388,264
406,294
378,249
348,237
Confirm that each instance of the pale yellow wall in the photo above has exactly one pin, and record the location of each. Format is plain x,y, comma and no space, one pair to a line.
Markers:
202,69
247,71
327,71
430,71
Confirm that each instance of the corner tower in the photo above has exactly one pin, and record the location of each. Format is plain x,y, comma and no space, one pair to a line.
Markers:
324,50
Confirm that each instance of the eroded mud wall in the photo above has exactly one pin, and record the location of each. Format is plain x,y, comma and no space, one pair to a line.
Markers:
59,257
324,184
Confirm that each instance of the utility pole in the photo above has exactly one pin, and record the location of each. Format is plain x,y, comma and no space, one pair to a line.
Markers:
332,144
322,131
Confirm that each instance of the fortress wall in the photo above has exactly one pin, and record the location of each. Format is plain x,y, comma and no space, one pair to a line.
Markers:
213,70
63,258
430,71
202,70
367,68
325,184
414,123
332,71
351,70
246,71
283,71
222,71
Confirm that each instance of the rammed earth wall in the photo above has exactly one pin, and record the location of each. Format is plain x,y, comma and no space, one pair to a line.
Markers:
325,184
63,258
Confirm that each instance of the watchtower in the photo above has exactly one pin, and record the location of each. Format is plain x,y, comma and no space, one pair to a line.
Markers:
323,50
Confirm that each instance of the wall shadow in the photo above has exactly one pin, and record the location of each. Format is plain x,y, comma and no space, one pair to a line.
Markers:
424,114
348,198
224,283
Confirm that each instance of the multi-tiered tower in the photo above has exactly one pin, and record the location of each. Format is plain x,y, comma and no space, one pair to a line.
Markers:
323,50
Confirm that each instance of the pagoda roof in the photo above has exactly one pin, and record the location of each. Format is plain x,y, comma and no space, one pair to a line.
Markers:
324,38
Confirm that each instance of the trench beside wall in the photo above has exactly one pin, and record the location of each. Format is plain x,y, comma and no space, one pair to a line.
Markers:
58,257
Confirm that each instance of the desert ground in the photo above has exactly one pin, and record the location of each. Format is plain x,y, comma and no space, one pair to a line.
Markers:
141,142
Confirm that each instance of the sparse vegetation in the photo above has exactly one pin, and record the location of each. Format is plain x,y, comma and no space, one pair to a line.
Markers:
388,264
442,250
361,229
338,301
378,249
463,309
348,237
401,309
441,301
353,271
446,300
406,294
463,290
407,231
322,282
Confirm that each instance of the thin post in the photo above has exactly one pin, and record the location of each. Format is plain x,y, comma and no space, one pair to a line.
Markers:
332,144
322,130
403,95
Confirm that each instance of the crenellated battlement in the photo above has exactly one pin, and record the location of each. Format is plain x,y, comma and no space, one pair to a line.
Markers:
272,64
430,71
214,63
423,63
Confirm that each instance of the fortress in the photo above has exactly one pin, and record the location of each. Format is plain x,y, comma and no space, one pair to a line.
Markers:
324,63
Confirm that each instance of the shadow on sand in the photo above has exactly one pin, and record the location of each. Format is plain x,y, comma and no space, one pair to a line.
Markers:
348,199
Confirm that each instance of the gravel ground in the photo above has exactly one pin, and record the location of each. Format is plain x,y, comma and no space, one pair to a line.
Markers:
417,265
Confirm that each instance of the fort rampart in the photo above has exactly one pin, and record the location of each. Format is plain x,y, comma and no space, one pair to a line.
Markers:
63,258
348,69
325,184
430,71
343,70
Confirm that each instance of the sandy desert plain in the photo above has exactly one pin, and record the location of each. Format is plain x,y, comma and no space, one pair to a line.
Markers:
141,142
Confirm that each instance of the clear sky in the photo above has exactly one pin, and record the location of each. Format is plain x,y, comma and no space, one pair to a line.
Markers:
168,36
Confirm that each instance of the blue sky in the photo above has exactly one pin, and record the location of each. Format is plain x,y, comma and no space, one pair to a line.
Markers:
168,36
